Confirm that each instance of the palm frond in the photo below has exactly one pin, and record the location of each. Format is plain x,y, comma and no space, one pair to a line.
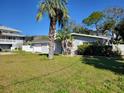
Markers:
41,11
39,16
55,9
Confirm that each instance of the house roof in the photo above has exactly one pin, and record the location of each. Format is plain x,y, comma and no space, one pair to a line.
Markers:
10,34
92,36
40,39
5,28
43,41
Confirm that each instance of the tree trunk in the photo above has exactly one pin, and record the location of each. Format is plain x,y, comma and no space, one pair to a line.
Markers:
97,32
52,37
112,38
64,46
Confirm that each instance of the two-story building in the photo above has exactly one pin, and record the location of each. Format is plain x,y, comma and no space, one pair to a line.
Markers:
10,38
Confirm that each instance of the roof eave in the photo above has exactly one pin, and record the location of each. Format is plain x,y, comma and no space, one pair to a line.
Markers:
92,36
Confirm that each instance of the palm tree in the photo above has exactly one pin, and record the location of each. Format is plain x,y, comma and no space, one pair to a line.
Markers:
57,12
64,36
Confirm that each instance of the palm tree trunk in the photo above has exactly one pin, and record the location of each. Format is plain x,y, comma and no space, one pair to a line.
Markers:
52,37
64,46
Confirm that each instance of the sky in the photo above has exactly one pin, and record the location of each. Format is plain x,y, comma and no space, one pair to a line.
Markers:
20,14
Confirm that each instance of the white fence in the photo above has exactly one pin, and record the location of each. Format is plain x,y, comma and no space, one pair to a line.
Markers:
27,48
36,49
45,49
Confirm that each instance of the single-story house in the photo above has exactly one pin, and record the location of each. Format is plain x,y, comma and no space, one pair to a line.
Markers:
42,46
79,39
37,47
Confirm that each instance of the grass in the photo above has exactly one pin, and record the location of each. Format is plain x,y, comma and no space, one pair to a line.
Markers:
30,73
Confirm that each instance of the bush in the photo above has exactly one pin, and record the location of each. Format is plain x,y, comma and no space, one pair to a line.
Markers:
0,50
97,50
6,50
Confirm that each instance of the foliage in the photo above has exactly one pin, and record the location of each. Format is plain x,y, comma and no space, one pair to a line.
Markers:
80,29
0,49
82,48
107,26
70,25
77,29
120,30
115,15
106,20
94,18
64,36
97,50
54,8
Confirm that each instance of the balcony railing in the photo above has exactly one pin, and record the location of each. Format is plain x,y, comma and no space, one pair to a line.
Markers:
12,34
10,41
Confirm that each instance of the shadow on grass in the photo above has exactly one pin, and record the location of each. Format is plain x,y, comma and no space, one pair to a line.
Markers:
47,54
43,55
112,64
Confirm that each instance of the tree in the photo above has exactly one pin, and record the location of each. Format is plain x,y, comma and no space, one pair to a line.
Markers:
77,29
80,29
70,25
114,14
57,12
120,30
64,36
94,19
107,26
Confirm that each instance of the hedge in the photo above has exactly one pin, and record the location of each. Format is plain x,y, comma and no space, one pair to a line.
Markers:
96,50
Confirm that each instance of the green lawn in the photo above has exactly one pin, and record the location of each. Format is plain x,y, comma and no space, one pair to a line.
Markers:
29,73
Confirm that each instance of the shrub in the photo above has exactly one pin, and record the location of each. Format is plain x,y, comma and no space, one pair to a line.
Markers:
82,49
0,49
6,50
97,50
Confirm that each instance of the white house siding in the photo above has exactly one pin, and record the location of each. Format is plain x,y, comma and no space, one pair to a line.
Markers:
5,44
120,48
13,42
78,40
27,48
10,37
58,48
41,49
44,49
17,44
